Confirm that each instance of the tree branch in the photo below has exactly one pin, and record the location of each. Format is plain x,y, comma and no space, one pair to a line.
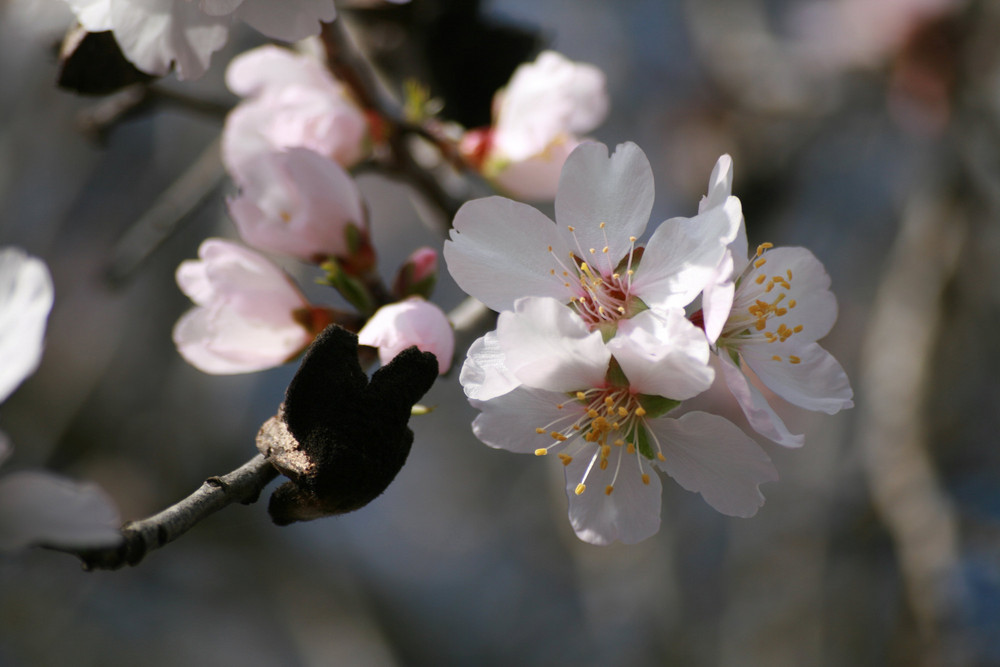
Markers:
242,485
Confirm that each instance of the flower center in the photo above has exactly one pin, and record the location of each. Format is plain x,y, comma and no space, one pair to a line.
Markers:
600,288
762,306
611,427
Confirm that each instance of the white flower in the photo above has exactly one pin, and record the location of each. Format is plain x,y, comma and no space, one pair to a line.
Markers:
412,322
538,119
292,100
38,507
546,384
298,203
766,313
246,314
154,34
501,250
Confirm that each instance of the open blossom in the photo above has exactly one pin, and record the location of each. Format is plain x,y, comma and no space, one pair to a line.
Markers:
501,250
291,100
538,119
547,384
298,203
39,507
766,313
408,323
155,34
248,312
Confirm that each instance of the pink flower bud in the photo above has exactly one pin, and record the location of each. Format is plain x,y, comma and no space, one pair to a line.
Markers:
245,315
417,275
414,321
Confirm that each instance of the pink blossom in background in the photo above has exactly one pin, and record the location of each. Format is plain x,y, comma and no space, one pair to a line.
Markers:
291,100
157,34
404,324
245,314
418,274
298,203
538,119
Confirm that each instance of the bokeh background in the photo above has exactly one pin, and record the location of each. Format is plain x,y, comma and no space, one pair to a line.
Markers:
866,131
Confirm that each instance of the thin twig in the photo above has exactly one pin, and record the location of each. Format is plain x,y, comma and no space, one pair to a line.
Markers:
242,485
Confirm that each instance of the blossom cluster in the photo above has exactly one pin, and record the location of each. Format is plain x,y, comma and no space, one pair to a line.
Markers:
600,339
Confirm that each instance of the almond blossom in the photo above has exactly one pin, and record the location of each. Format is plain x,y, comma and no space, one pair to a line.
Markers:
412,322
157,34
291,100
249,316
501,250
537,122
765,314
39,507
546,384
298,203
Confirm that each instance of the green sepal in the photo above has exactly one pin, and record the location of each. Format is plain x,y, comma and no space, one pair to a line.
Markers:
642,442
353,290
656,406
616,376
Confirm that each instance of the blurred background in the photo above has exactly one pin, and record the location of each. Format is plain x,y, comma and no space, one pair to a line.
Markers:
867,131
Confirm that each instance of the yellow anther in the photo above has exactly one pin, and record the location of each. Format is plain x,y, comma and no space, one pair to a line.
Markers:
632,239
616,276
559,437
592,251
560,406
608,489
566,459
770,286
541,451
629,273
645,478
571,228
619,442
761,324
776,358
792,303
580,488
660,456
592,413
621,309
580,396
552,272
762,247
793,359
798,328
622,412
789,274
550,248
286,216
780,311
539,430
630,448
604,249
603,464
602,225
608,401
605,451
640,411
760,279
759,263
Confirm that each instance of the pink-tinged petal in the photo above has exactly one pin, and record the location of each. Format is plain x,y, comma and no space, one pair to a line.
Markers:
710,455
510,421
26,295
663,354
499,252
38,508
297,203
288,20
759,413
717,299
536,178
615,190
484,374
629,514
397,326
244,321
683,256
155,33
720,184
269,67
544,100
804,375
548,346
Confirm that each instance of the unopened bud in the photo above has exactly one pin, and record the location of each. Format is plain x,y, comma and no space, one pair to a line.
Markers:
418,274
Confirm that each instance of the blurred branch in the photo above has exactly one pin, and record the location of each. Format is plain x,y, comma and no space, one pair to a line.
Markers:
242,485
893,430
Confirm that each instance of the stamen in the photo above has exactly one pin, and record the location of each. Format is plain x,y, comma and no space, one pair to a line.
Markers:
580,488
541,451
793,359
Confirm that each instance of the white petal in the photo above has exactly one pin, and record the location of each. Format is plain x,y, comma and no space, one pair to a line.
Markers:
683,256
536,178
630,513
595,189
26,296
256,70
711,456
94,15
484,374
717,299
288,20
413,322
816,382
662,353
720,184
759,413
548,346
499,252
509,421
41,508
154,33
